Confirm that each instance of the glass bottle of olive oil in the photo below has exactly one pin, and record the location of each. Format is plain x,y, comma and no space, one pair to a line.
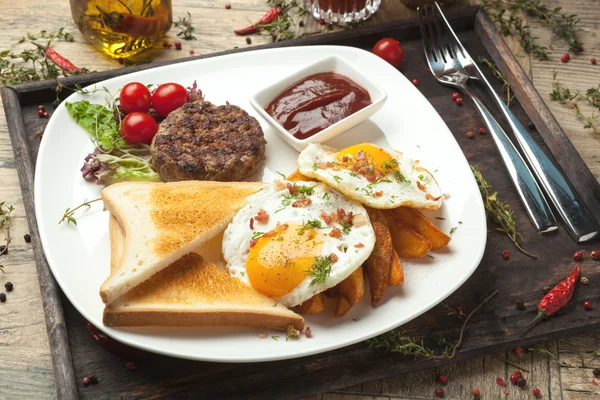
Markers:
122,28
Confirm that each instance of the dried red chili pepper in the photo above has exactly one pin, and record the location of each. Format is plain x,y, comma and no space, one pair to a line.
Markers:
58,59
269,17
556,298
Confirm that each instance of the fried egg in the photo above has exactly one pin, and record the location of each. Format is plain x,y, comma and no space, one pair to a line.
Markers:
371,175
296,239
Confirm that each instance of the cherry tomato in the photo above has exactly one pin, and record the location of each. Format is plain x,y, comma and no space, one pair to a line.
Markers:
135,97
138,127
168,97
389,49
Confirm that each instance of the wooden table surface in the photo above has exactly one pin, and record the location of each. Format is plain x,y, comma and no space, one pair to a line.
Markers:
25,364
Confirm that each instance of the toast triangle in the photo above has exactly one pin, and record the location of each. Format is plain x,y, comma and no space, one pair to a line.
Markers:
192,292
164,221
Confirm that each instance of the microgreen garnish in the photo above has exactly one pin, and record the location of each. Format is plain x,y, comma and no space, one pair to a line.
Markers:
500,213
69,213
311,224
320,270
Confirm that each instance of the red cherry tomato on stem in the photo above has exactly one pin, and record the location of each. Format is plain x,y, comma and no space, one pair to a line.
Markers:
168,97
138,127
135,97
389,49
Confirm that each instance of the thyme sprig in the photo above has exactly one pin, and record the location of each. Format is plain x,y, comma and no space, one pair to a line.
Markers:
508,95
565,96
507,14
501,214
398,342
186,30
5,224
70,212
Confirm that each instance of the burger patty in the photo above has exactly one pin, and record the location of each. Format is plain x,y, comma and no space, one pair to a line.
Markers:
201,141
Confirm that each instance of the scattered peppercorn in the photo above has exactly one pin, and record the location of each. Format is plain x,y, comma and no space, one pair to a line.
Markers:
178,45
2,297
596,372
459,101
565,58
8,286
415,82
482,131
439,392
584,280
581,47
248,40
520,305
130,365
593,61
546,289
41,113
301,24
531,125
587,306
443,379
537,392
505,254
86,381
27,238
94,380
455,96
227,6
476,392
513,379
192,52
578,256
166,44
46,115
521,382
308,332
3,250
505,391
500,381
470,135
595,254
518,373
518,351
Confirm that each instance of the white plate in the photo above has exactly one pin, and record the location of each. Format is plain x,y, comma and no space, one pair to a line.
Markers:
79,256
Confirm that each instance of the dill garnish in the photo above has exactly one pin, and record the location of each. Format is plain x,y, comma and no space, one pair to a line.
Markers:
501,214
390,164
311,224
68,215
400,177
346,227
320,270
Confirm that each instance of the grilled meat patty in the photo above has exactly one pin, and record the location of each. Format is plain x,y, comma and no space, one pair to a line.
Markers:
202,141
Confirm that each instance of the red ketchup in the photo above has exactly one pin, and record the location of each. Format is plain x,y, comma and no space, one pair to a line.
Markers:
317,102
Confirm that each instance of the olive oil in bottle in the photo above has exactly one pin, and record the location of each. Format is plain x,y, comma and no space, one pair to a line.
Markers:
122,28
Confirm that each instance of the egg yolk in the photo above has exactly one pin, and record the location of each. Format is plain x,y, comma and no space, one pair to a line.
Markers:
366,153
279,262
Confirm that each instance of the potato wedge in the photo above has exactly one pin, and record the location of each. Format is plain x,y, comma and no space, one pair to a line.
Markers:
353,287
396,271
408,243
378,263
297,176
314,305
342,307
419,223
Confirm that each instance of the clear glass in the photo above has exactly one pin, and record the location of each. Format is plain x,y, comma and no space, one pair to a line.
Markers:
122,28
342,11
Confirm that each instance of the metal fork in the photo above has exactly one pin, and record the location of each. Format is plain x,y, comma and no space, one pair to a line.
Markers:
579,223
449,71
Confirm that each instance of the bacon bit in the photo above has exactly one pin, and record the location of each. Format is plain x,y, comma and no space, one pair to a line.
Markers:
303,202
378,194
344,217
252,223
364,171
262,216
335,233
379,173
334,258
342,248
327,218
446,196
371,177
361,156
356,168
421,186
279,184
428,196
292,189
358,220
345,159
253,242
359,245
308,332
324,165
262,335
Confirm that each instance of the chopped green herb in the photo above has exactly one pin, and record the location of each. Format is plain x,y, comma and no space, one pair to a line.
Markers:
346,227
400,177
391,164
320,270
443,219
257,235
311,224
452,230
282,175
243,273
325,196
337,178
275,337
460,222
353,174
306,190
314,167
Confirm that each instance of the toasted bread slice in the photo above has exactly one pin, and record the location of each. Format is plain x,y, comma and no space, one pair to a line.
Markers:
192,292
162,222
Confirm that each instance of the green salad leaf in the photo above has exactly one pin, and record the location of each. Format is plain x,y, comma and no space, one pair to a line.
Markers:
99,121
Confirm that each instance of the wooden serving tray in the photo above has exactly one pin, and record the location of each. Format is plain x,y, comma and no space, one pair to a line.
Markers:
76,354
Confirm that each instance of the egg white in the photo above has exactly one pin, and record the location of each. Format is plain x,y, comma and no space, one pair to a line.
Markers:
396,192
237,236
